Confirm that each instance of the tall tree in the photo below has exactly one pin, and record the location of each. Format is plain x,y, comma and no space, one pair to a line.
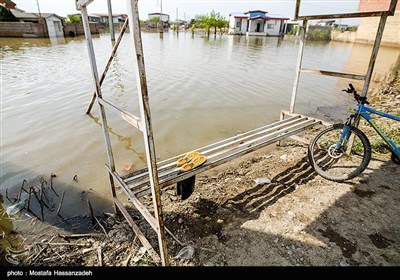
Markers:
7,15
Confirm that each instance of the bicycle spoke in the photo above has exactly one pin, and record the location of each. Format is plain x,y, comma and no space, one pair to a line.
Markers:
338,163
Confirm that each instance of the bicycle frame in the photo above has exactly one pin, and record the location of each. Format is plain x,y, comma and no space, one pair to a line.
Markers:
365,112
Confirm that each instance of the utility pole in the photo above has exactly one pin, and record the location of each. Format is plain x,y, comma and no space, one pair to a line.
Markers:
37,3
161,19
177,23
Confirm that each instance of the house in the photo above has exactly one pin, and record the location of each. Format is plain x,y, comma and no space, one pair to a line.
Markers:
164,17
54,23
257,22
325,22
102,18
91,17
8,4
292,27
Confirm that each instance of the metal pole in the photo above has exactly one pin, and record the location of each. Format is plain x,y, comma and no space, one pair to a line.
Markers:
37,2
161,18
110,21
374,54
92,60
134,26
177,22
299,62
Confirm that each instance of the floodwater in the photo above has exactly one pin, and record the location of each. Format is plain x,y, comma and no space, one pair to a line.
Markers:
201,91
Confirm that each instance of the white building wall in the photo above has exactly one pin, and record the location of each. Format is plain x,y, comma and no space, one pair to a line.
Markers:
54,27
233,29
274,31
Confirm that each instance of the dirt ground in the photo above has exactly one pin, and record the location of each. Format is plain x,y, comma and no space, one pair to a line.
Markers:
297,218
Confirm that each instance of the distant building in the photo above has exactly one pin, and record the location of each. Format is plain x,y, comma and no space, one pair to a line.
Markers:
54,23
257,22
91,17
292,27
8,4
367,27
103,18
164,17
325,22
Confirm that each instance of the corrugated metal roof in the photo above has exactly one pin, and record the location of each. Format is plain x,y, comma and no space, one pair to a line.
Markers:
23,15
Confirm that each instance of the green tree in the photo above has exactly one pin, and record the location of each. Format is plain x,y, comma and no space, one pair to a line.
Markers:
154,19
213,20
73,19
6,15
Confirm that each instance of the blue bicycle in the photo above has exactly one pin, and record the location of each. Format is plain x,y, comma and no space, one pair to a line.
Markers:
342,151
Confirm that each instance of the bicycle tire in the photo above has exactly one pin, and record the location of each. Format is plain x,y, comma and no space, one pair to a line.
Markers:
395,158
324,163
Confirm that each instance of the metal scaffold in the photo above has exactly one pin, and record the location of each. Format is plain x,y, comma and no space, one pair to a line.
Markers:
157,175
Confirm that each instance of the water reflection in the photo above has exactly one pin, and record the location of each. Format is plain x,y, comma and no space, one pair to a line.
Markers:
127,141
201,91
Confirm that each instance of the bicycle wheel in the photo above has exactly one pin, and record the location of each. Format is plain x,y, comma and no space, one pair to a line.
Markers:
395,158
341,164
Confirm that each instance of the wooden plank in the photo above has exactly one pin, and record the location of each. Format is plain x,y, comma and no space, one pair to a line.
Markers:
127,116
146,244
334,74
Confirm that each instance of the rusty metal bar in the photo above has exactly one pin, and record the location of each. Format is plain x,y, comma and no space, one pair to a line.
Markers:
178,176
92,60
139,206
296,10
298,67
146,244
129,117
334,74
170,164
173,174
172,161
392,6
374,55
134,26
103,75
389,12
284,113
348,15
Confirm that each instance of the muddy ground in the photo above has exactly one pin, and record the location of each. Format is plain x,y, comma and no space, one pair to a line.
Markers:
296,219
299,219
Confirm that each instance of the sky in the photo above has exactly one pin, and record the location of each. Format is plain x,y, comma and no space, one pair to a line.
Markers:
188,9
